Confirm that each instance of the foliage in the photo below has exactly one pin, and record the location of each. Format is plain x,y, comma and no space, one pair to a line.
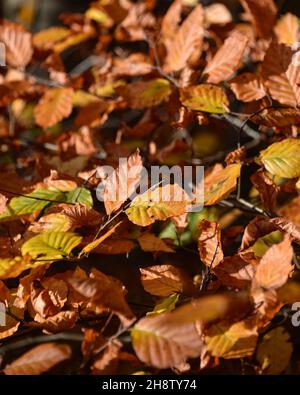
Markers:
187,85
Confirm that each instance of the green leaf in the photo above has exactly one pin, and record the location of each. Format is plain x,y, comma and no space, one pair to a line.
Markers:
282,158
205,97
165,305
51,245
80,195
31,202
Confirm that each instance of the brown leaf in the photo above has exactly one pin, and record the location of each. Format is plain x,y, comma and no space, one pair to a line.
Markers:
62,321
104,292
277,117
282,74
121,184
248,87
54,106
187,41
151,243
261,226
236,156
39,359
17,43
81,215
209,243
80,143
267,189
108,361
227,60
263,14
236,271
275,266
163,280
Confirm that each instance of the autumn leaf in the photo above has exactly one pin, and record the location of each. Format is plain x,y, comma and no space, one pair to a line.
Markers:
13,267
39,359
3,201
267,189
54,106
30,203
286,29
282,158
163,280
275,266
227,59
162,344
209,243
45,39
122,183
281,74
236,340
144,94
186,41
220,183
151,243
17,43
168,339
104,292
51,245
274,352
236,271
248,87
94,244
277,117
263,15
205,97
158,204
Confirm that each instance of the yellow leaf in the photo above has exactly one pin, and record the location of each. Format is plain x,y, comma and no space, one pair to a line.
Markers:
282,158
12,267
144,94
274,352
231,340
51,245
158,204
162,280
45,39
205,97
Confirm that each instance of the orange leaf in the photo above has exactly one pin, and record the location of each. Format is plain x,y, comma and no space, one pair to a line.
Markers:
187,41
209,243
248,87
17,43
275,266
227,60
39,359
53,107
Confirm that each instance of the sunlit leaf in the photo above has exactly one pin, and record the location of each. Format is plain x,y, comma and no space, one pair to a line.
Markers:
282,158
51,245
205,97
